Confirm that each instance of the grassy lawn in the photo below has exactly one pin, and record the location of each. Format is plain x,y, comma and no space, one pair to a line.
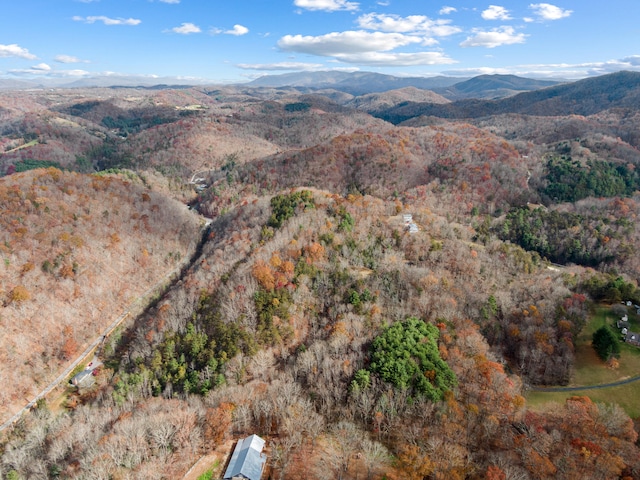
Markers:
26,145
626,396
590,370
208,475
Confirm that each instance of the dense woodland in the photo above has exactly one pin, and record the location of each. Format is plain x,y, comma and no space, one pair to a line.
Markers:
308,313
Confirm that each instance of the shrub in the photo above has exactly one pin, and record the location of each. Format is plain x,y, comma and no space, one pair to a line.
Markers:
19,294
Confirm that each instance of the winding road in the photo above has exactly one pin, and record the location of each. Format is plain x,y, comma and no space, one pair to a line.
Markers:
586,387
134,307
93,346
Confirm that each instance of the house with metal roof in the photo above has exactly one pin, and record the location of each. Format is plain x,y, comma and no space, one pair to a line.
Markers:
84,379
632,338
247,460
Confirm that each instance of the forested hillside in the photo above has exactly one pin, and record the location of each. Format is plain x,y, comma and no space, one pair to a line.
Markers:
76,251
375,300
584,97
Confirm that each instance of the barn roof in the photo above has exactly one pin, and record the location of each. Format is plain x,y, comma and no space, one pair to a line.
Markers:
247,460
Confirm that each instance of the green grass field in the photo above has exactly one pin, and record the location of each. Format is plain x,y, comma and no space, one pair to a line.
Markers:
26,145
590,370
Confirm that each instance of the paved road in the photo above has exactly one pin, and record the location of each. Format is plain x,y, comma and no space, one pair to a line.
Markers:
67,371
586,387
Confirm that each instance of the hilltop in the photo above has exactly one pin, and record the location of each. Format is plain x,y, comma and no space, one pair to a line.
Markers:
492,86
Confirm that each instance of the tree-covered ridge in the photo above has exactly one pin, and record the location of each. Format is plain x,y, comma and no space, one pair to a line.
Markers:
569,181
193,361
284,206
128,125
583,97
75,251
348,269
566,237
406,355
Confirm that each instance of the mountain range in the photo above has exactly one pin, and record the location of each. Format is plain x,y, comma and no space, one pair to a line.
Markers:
353,83
360,83
380,280
583,97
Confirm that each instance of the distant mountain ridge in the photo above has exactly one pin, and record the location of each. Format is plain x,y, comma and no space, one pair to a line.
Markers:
493,86
583,97
355,83
9,84
109,81
351,83
362,83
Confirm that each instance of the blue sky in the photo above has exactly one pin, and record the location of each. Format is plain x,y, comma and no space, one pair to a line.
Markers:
238,40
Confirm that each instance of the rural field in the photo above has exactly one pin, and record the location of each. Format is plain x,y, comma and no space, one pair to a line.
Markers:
591,370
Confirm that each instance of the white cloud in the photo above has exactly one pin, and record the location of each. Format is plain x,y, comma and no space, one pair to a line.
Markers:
15,50
186,29
280,66
72,73
447,10
561,71
108,20
68,59
429,42
170,1
237,30
632,60
472,72
495,12
344,43
410,24
326,5
364,48
494,38
546,11
390,59
43,67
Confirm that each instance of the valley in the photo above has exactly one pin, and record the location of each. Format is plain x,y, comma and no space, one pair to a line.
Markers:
309,313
